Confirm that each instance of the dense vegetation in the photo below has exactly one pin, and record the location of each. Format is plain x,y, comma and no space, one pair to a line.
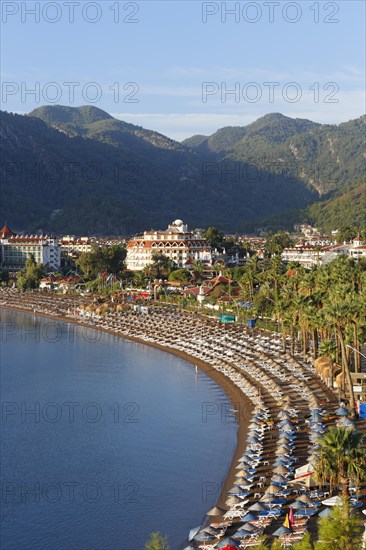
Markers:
325,157
347,210
79,170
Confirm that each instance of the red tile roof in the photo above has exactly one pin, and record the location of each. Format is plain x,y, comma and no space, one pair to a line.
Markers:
6,232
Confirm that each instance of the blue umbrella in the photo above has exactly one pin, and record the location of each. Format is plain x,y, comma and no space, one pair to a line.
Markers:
325,513
279,501
250,517
282,531
193,532
342,411
204,537
347,422
305,512
281,462
242,533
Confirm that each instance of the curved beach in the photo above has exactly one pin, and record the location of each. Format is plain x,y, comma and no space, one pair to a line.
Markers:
262,382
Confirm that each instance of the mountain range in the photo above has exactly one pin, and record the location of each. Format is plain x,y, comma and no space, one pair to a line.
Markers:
79,170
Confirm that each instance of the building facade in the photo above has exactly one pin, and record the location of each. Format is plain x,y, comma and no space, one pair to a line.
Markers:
179,244
76,245
309,255
15,250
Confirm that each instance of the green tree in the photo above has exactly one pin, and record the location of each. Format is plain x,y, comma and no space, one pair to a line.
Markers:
29,277
275,244
327,348
161,265
342,458
346,234
4,277
88,262
182,275
340,530
305,543
111,258
215,237
157,542
100,259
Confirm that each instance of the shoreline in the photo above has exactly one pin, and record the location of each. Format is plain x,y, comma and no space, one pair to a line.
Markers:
234,394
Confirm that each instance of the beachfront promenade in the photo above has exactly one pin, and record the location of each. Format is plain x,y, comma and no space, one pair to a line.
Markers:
281,404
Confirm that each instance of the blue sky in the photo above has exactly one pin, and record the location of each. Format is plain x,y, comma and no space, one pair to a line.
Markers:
170,65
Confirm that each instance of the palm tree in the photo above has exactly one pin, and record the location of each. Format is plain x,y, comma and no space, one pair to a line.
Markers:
327,348
337,313
342,458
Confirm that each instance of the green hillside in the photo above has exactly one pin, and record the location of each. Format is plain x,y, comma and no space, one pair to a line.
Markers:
79,170
349,209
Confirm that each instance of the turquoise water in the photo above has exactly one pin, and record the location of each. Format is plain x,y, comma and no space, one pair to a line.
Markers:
103,440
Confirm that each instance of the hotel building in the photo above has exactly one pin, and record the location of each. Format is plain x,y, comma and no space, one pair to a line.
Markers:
177,243
15,250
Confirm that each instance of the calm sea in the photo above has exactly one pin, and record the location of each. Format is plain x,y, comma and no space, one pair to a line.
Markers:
104,440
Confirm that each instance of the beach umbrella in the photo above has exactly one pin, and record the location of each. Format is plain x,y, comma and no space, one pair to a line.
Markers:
241,533
297,505
253,439
281,462
273,489
316,413
236,491
342,411
233,500
333,501
283,441
267,497
325,513
279,501
242,480
279,478
228,542
216,511
193,532
283,448
281,470
249,527
250,517
291,516
305,499
282,531
211,530
287,523
204,537
304,512
257,507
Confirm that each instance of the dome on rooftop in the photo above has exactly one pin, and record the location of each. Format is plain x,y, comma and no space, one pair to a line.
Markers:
178,223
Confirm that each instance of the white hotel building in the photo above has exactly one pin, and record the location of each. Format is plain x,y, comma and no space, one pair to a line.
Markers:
15,250
177,243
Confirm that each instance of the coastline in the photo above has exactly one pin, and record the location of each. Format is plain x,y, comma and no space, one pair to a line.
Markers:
234,394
